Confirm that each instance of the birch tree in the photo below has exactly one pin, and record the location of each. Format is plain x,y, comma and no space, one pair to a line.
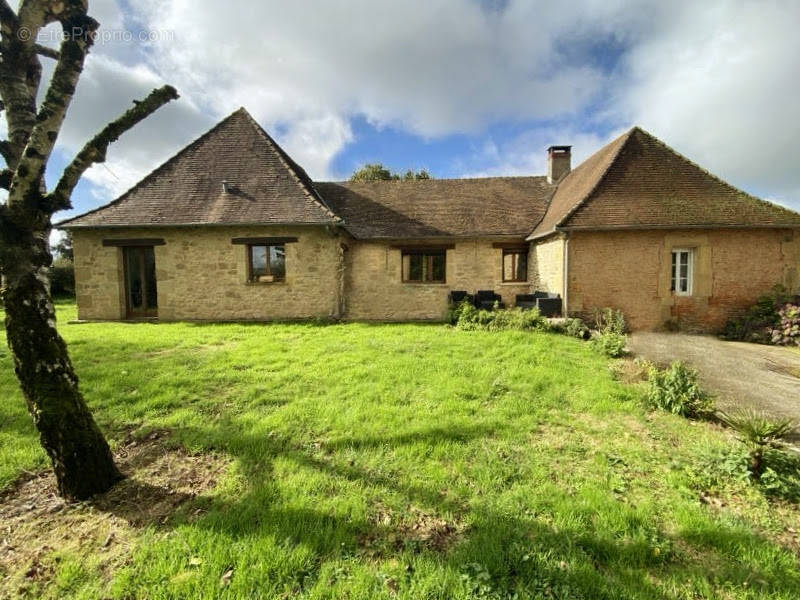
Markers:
81,458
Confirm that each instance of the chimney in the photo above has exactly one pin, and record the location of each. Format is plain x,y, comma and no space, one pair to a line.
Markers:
224,185
558,162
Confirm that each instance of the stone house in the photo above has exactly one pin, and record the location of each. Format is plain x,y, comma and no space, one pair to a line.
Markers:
231,228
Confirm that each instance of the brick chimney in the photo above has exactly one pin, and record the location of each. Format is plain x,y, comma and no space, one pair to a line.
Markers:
559,160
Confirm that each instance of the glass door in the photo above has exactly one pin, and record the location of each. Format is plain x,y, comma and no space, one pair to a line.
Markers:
141,291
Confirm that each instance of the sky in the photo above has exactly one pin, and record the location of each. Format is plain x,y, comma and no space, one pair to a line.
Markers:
462,88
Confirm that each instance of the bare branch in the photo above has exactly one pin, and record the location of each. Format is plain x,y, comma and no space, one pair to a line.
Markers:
8,17
5,178
48,52
95,150
79,36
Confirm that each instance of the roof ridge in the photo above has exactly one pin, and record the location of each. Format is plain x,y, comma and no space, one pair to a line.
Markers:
155,171
627,137
436,179
712,175
305,183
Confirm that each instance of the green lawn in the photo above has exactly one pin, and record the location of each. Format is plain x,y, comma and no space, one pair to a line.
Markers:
539,473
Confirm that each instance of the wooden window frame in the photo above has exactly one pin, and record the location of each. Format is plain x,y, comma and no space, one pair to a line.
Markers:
428,254
250,263
133,243
675,277
513,251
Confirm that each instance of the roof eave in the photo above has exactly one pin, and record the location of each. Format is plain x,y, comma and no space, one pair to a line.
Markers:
66,225
674,226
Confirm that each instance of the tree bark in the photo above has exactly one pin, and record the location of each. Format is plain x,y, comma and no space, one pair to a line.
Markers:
80,455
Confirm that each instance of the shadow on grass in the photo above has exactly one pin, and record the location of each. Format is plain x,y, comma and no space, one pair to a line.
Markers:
497,554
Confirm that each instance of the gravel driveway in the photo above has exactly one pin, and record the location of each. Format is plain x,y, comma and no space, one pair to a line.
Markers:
765,378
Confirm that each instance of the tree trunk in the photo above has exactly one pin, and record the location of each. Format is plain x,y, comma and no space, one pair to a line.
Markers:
81,458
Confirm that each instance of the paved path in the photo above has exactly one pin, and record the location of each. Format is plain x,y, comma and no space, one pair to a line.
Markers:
765,378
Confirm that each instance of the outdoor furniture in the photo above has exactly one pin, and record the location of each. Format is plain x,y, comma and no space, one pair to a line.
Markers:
525,301
486,300
548,303
459,296
549,307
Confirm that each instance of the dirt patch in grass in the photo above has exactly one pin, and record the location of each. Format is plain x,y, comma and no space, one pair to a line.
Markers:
36,525
415,529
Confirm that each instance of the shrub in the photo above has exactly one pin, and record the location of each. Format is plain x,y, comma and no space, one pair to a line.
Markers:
610,343
787,332
609,320
62,278
577,328
758,432
676,390
465,316
571,327
761,319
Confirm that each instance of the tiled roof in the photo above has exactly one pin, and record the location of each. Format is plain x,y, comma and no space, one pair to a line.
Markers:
634,181
265,186
637,181
491,206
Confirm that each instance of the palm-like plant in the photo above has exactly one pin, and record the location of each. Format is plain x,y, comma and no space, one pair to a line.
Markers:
759,433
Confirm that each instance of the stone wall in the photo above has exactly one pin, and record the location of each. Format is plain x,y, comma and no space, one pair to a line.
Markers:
375,290
547,260
201,275
631,271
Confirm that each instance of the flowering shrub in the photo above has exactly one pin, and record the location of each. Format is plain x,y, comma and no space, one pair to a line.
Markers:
787,332
762,319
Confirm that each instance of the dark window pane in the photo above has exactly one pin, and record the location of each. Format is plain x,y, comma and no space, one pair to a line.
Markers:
522,266
150,277
437,268
415,267
258,262
135,283
277,262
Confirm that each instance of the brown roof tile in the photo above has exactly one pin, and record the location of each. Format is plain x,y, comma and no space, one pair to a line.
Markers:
265,186
637,181
491,206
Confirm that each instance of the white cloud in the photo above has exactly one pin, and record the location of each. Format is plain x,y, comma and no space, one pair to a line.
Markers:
716,80
525,154
432,67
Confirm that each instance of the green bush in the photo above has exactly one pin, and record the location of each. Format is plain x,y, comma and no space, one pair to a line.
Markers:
609,320
610,343
759,433
62,279
676,390
465,316
762,319
571,327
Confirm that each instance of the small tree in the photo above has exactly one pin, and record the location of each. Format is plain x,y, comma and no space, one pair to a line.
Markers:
80,455
758,433
63,248
377,172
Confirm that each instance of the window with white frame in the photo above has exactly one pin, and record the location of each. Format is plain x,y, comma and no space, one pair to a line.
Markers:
682,270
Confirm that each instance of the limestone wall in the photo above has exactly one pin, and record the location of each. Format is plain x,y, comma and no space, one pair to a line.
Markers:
202,275
547,259
631,271
375,290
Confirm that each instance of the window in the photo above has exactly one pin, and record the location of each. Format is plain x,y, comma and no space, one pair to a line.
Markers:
682,267
515,264
266,263
424,266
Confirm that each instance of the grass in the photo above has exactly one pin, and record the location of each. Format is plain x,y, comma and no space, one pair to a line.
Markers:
408,461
